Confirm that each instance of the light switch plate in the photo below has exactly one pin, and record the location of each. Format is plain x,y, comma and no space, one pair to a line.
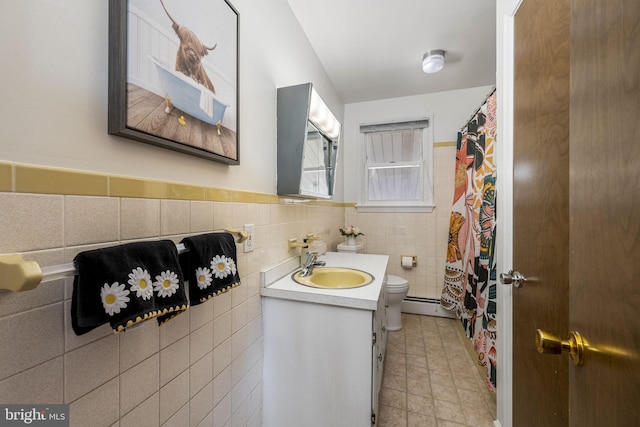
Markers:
248,244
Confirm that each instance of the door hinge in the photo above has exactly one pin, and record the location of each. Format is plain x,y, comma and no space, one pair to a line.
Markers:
374,338
373,418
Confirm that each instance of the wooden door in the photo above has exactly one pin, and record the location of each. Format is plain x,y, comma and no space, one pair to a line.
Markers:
577,210
540,208
605,211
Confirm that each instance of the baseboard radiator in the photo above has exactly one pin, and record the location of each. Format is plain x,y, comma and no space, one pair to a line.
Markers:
425,306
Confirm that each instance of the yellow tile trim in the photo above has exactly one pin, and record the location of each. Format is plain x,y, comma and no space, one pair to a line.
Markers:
265,198
6,181
36,179
243,196
444,144
132,187
218,194
323,203
184,192
40,179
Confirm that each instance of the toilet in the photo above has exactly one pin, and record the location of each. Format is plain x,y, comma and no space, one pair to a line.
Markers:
396,289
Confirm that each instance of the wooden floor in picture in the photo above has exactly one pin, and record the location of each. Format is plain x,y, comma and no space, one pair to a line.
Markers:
146,113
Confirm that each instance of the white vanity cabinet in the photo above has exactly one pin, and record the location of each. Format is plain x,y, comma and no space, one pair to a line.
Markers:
380,347
323,363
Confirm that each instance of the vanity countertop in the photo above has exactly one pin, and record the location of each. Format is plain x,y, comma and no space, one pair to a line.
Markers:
364,297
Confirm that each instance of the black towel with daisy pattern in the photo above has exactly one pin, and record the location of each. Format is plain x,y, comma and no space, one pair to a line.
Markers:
211,265
127,284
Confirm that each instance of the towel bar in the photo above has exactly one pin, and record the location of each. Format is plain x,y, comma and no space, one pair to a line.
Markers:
18,275
242,236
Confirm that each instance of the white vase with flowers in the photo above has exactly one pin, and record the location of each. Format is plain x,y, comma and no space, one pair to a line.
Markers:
350,232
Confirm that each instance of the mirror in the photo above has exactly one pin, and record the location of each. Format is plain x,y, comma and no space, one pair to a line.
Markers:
319,162
314,180
308,137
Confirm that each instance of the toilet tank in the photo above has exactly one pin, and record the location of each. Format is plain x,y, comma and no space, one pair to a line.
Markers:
357,249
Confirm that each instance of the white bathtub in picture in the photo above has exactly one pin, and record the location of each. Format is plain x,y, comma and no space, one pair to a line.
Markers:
190,97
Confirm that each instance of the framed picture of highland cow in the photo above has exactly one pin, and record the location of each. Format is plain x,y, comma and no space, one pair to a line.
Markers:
173,75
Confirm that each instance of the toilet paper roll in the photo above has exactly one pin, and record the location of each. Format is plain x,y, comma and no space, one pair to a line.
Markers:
407,262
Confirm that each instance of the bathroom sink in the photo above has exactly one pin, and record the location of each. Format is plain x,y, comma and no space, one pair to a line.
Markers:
334,278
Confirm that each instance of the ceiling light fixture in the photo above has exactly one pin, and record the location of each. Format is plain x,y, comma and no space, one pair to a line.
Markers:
433,61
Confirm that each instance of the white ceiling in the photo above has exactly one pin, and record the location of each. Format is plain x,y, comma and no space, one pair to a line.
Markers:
372,49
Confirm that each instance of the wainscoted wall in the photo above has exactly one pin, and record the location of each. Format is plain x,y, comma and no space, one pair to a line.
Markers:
422,234
204,367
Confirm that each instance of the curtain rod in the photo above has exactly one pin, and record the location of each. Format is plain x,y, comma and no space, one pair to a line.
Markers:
478,109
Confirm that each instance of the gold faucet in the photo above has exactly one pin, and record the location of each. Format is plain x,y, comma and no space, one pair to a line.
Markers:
311,237
293,243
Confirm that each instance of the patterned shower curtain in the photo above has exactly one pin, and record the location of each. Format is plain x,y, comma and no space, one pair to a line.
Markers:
470,275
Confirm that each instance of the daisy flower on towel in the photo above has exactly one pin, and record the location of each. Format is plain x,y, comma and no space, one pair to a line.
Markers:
141,284
203,276
220,266
232,266
166,283
114,297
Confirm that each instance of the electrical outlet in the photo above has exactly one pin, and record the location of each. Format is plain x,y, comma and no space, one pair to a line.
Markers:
248,244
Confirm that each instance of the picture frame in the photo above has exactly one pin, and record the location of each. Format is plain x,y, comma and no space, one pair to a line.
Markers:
174,75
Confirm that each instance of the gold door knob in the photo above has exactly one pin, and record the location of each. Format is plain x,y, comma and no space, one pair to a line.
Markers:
547,342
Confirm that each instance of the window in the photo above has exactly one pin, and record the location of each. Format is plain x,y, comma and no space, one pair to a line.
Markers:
398,165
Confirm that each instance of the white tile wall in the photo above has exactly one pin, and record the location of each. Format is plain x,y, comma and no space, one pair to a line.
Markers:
201,216
200,315
204,367
174,360
37,335
423,235
200,342
33,386
147,414
98,407
175,217
175,329
174,396
139,383
81,216
200,405
138,344
200,373
30,222
140,218
179,419
90,366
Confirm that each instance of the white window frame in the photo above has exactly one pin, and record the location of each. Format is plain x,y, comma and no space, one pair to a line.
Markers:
426,203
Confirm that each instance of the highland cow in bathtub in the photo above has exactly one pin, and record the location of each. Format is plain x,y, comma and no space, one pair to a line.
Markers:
190,53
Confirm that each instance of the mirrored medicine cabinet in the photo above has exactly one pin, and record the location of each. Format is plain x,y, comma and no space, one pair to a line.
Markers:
308,135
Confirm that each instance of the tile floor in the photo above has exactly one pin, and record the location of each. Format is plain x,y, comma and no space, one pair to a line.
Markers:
430,380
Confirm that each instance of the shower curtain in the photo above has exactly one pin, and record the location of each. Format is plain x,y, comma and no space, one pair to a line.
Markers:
470,274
